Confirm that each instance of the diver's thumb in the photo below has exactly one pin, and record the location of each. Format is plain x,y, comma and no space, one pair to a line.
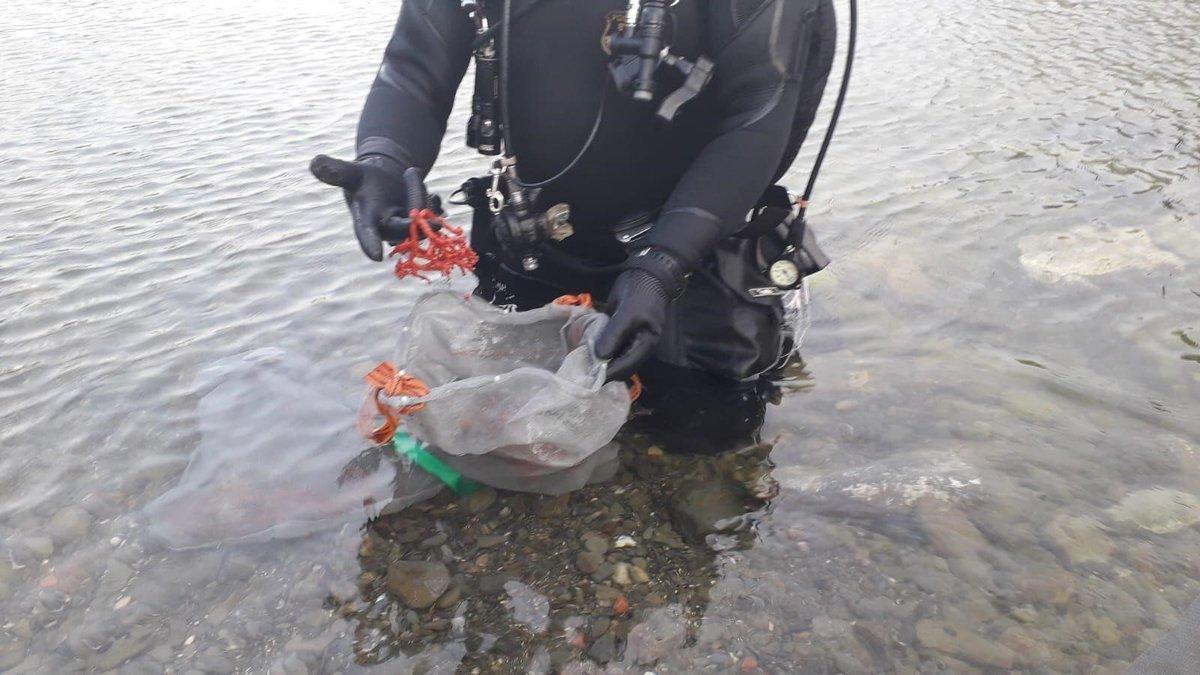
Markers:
366,229
610,341
336,172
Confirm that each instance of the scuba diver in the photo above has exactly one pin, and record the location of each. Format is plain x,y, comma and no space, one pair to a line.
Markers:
636,152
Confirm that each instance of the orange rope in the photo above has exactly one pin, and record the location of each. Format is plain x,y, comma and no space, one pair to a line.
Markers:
635,387
433,245
581,300
385,380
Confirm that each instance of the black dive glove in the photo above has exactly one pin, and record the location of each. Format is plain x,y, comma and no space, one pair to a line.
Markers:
375,192
637,303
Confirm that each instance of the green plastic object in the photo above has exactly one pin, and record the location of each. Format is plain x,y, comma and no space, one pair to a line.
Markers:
407,446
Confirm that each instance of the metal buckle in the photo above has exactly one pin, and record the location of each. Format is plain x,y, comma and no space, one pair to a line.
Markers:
633,234
494,196
766,291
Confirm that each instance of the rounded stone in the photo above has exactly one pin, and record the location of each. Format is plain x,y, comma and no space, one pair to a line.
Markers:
69,524
1158,510
450,598
588,562
621,575
595,543
479,501
419,584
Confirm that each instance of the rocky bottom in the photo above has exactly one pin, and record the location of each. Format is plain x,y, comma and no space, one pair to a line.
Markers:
615,572
919,563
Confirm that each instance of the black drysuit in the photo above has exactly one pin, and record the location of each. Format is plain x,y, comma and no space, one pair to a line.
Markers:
702,173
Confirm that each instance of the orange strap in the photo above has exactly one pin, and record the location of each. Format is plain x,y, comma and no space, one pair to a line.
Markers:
433,245
385,380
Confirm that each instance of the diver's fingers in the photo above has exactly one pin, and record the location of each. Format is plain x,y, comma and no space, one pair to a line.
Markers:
627,362
336,172
395,226
366,229
614,335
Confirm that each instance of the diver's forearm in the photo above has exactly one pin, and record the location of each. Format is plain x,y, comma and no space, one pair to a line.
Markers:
405,114
723,184
758,86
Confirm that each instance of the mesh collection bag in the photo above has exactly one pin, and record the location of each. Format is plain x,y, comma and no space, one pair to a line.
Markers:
516,400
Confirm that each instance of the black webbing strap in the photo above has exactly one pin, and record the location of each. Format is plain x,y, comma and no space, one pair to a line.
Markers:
772,209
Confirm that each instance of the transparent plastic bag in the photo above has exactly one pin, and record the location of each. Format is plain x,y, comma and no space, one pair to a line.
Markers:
278,457
796,316
516,400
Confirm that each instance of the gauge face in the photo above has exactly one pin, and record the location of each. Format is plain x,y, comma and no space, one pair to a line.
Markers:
784,273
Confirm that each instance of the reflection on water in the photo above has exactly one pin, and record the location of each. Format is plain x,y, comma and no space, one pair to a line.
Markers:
990,460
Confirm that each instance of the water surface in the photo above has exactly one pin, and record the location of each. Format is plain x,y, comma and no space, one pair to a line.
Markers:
989,459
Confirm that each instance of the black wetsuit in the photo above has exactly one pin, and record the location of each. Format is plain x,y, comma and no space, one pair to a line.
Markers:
702,173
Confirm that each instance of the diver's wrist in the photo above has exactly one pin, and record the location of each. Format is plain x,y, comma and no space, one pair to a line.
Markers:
664,267
388,164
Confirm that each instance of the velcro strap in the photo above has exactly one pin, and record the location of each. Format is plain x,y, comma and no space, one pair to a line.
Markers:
773,208
662,266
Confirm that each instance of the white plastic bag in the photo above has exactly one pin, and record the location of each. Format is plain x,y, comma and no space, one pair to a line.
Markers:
516,400
278,457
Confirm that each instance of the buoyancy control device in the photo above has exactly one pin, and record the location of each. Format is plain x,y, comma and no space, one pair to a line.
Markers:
638,43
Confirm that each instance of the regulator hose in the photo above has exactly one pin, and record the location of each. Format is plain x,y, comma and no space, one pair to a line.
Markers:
837,109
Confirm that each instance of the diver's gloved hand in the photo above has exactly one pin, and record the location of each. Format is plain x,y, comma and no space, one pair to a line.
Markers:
375,192
637,303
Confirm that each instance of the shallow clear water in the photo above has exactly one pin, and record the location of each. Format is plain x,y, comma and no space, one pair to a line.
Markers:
990,460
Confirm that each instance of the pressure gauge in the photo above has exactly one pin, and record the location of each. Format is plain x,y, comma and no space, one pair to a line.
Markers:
784,273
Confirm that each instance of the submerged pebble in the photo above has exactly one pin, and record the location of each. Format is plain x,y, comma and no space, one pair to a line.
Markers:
480,500
1086,252
41,547
490,540
121,651
961,642
588,562
660,633
701,508
595,543
12,652
69,524
639,575
419,584
434,541
1079,539
1160,510
620,575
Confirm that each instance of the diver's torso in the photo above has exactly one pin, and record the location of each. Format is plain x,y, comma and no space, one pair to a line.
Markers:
558,76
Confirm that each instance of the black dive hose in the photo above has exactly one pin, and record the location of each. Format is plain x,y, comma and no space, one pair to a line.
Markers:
837,110
506,20
505,36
